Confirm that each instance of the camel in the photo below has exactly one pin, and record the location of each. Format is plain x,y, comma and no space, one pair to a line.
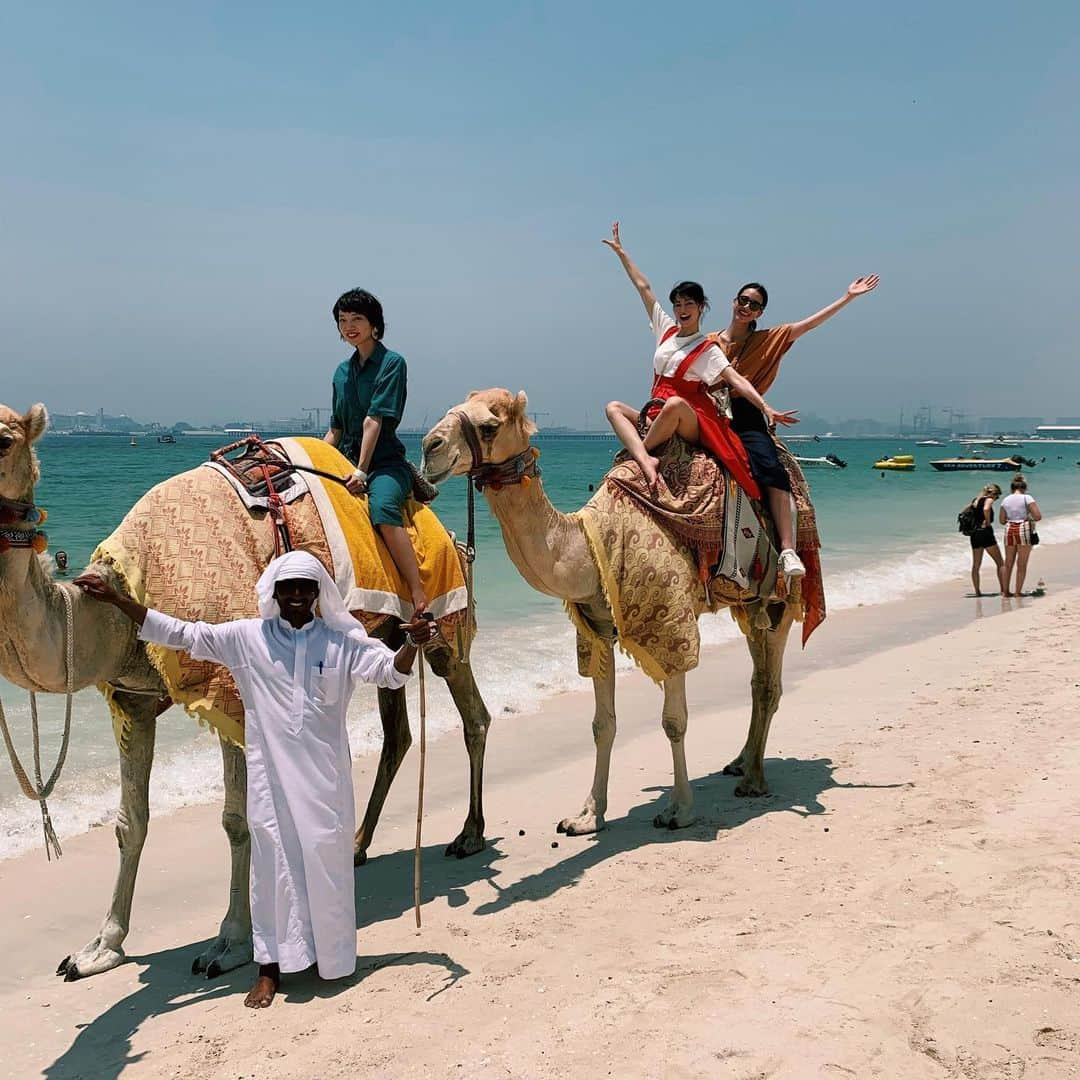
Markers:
32,655
487,437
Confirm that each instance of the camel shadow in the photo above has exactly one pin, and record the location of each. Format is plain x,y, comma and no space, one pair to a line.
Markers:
796,786
103,1047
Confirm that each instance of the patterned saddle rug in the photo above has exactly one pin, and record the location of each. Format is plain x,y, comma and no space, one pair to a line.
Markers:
696,544
192,549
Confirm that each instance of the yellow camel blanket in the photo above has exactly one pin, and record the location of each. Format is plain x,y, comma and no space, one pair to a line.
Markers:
191,549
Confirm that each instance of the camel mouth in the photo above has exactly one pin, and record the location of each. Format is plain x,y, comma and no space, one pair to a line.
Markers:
436,474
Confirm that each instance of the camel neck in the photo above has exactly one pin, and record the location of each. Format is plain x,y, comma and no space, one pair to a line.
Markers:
547,547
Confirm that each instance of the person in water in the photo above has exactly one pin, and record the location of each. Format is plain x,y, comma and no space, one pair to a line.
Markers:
756,355
687,369
369,391
61,563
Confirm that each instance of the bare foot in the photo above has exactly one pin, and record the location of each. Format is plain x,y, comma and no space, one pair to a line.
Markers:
651,469
261,995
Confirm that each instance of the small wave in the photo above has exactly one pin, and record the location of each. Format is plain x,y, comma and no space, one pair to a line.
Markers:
518,666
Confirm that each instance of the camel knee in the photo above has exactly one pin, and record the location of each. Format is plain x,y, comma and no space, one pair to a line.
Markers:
236,828
674,727
767,691
131,828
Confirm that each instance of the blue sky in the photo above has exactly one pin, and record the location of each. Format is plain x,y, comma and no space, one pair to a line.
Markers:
185,192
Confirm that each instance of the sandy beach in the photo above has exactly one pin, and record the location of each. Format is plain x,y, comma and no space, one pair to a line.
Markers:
903,904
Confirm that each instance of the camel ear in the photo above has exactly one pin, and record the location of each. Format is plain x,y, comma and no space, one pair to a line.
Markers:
35,422
518,409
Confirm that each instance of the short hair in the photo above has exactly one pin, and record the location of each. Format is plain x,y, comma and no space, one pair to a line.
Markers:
361,302
689,290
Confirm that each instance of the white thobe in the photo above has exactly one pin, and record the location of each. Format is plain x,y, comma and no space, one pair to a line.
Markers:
296,686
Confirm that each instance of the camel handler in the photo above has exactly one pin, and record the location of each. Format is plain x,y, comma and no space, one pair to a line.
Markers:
295,672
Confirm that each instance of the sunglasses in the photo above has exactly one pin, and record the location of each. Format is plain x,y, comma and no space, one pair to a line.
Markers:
749,303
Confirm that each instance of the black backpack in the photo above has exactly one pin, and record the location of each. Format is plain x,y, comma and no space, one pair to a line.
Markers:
968,520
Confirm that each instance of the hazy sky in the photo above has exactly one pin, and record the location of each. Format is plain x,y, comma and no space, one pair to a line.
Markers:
185,191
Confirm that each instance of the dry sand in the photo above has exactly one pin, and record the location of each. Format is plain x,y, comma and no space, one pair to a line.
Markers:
904,903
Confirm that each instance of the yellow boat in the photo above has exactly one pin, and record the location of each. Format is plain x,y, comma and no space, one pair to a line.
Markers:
897,463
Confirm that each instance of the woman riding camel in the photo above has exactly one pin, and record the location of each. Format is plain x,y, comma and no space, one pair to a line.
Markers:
687,367
756,355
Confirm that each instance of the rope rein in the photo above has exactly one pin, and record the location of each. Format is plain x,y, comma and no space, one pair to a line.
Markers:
40,791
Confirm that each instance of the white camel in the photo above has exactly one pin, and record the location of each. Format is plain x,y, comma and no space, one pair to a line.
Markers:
488,436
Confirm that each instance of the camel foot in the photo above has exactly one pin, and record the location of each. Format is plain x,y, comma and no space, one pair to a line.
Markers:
359,857
467,842
93,960
223,955
675,817
752,786
587,822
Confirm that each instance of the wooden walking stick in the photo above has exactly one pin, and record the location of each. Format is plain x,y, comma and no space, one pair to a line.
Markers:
420,793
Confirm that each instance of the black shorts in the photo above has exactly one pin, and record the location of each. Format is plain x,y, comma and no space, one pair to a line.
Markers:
983,538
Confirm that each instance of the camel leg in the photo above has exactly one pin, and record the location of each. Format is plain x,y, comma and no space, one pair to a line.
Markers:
679,811
396,743
767,652
591,818
106,950
232,946
475,721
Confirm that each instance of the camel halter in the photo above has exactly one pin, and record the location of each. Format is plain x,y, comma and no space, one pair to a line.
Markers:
39,792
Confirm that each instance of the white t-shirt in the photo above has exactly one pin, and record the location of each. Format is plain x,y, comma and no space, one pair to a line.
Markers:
706,367
1016,506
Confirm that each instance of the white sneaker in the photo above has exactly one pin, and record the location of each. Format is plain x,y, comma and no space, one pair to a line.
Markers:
791,566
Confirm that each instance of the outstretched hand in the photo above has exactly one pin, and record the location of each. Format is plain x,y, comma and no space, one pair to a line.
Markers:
785,419
614,243
97,588
863,285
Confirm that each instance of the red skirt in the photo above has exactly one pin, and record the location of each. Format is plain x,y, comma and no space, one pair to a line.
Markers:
714,430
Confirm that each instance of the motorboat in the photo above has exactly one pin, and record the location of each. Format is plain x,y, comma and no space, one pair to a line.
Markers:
829,461
166,438
996,441
896,463
983,464
929,442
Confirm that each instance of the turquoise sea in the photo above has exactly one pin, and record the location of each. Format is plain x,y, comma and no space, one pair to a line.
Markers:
883,536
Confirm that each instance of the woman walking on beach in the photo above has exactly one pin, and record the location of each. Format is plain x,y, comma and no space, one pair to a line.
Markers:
756,355
686,368
983,539
1018,513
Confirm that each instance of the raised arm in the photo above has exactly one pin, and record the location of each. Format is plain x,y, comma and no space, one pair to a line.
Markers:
745,388
639,280
858,287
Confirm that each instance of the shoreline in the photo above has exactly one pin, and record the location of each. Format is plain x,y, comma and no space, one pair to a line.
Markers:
192,752
866,735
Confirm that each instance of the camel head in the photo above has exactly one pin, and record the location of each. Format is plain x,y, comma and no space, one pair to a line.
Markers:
502,429
18,462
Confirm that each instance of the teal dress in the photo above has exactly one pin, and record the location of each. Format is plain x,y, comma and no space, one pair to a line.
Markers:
375,387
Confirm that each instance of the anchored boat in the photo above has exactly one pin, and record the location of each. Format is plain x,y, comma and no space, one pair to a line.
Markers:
983,464
829,461
897,463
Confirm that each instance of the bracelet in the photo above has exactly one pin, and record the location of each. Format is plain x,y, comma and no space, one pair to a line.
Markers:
359,474
413,642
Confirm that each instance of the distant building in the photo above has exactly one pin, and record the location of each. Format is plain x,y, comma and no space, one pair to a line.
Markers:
1009,425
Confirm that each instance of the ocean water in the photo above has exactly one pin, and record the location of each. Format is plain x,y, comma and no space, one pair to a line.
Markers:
883,537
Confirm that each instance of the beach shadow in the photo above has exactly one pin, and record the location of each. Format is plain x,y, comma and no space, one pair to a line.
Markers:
795,785
103,1047
384,884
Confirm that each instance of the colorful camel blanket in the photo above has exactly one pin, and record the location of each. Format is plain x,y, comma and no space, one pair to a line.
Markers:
191,549
665,556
